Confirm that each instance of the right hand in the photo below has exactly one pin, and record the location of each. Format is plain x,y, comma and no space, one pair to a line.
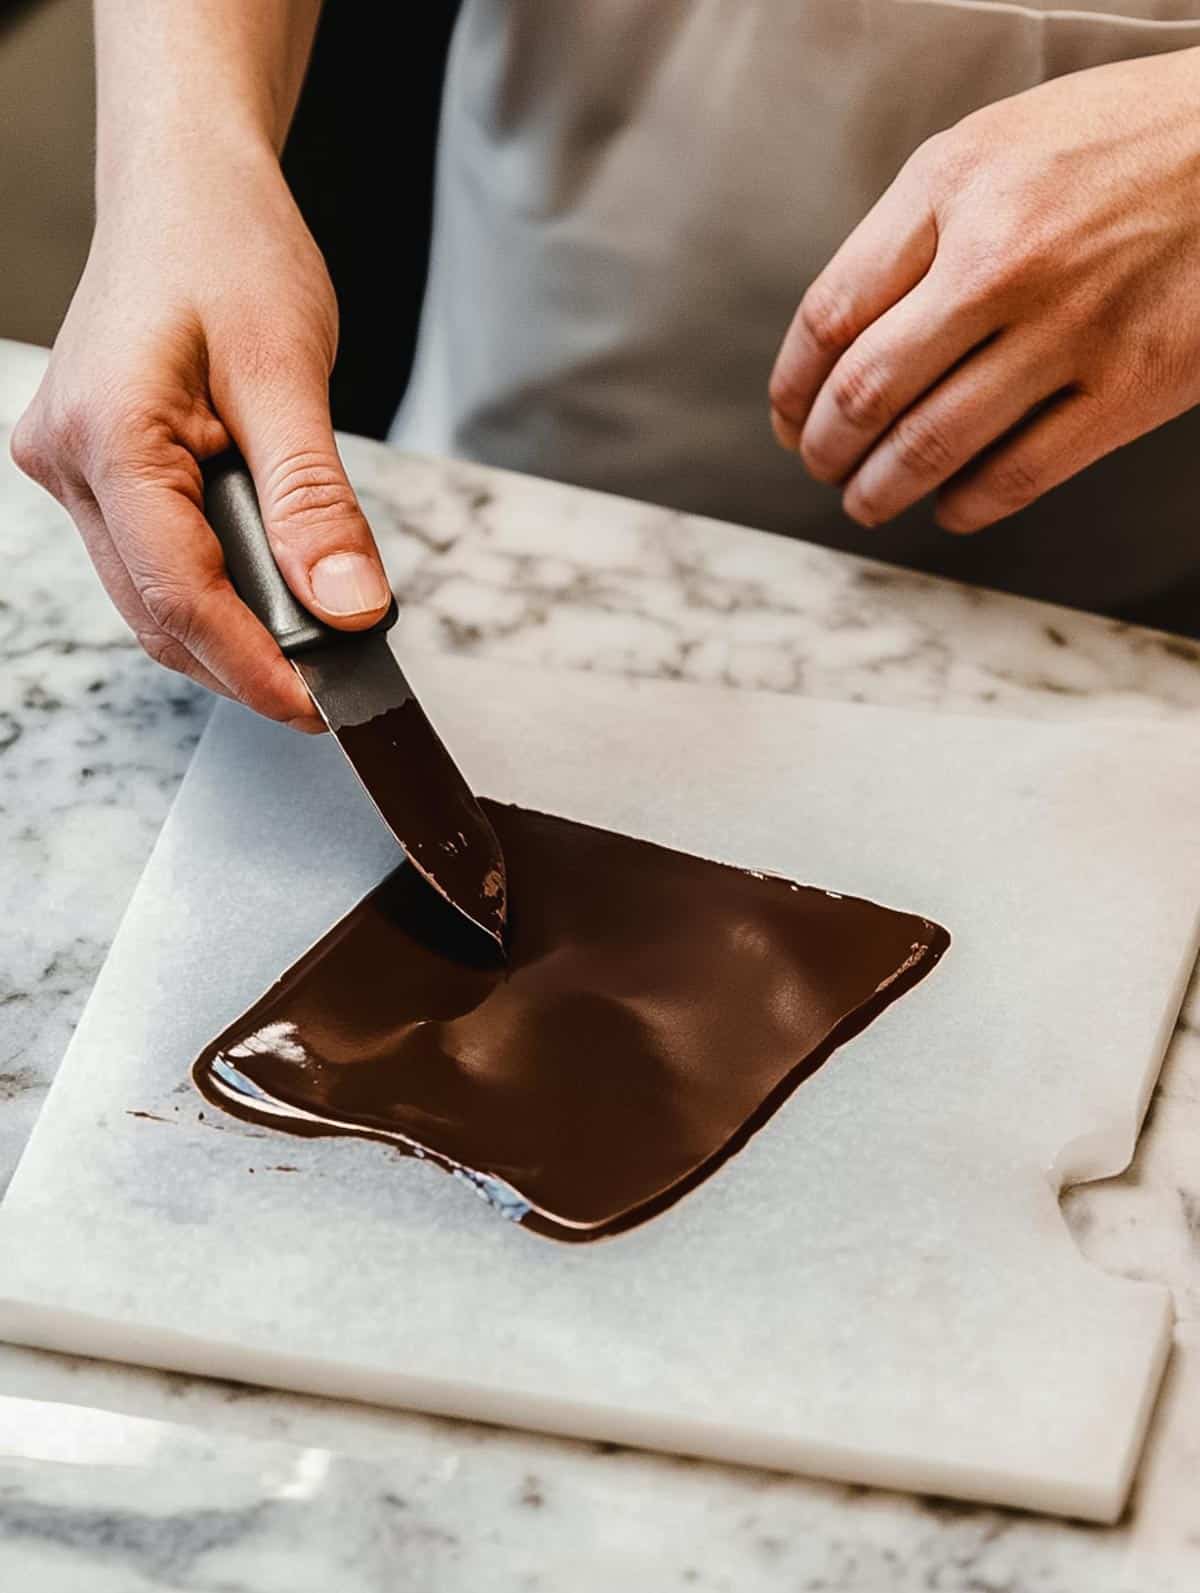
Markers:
204,316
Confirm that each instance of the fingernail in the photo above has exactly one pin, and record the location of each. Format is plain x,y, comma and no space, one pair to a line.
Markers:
348,583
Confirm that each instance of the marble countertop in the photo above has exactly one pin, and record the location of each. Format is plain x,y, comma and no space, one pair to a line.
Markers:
118,1478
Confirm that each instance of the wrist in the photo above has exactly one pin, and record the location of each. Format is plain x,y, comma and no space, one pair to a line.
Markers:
177,80
157,162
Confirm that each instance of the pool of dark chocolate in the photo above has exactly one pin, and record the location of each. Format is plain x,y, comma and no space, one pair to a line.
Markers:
655,1010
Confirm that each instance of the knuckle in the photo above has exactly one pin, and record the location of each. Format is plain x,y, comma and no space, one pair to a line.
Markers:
133,418
103,427
134,435
948,159
934,151
166,650
921,445
827,318
278,348
308,490
49,440
172,609
99,433
859,389
268,357
30,451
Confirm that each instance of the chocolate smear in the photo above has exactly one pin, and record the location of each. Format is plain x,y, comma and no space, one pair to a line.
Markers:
655,1010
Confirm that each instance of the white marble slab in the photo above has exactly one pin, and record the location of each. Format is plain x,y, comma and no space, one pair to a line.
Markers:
880,1288
92,1502
93,741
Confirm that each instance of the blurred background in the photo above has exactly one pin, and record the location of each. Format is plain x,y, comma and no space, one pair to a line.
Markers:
359,159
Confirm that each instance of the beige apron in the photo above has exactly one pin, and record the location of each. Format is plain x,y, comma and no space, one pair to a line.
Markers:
631,198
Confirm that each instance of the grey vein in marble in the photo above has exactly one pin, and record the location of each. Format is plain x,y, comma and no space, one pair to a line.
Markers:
93,741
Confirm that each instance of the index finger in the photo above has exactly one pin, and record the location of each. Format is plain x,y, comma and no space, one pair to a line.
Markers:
885,256
176,566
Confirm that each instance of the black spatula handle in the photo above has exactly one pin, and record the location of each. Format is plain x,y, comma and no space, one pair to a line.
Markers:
231,506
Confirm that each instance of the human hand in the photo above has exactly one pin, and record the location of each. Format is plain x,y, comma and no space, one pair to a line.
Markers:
205,315
1023,299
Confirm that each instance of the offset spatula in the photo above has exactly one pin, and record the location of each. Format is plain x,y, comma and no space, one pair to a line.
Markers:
362,695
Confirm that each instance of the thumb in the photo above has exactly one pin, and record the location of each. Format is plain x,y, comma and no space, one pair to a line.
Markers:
318,533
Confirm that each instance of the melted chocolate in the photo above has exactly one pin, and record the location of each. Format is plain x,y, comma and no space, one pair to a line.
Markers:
656,1009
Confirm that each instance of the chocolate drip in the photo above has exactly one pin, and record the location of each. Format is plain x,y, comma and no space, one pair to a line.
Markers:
656,1009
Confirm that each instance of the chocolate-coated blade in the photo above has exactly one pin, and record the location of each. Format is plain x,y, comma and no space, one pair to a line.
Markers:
363,697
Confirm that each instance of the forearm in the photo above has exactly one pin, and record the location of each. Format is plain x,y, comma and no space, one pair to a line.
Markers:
177,77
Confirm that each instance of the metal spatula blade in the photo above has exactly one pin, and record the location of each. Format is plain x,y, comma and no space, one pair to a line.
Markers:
363,696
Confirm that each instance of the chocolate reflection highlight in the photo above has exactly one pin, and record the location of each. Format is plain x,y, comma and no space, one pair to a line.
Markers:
656,1009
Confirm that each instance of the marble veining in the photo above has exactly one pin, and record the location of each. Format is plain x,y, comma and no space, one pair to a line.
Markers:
255,1490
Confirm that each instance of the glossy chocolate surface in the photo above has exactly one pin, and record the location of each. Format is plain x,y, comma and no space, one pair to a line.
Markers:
655,1010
